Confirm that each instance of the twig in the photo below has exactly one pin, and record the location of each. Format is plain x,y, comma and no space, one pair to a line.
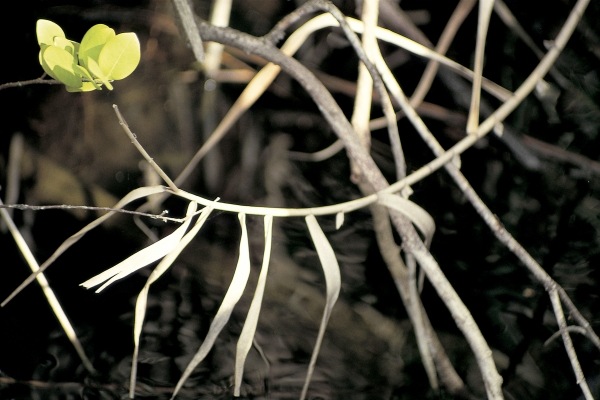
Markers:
142,151
483,22
495,225
46,289
364,91
412,243
71,240
360,122
378,84
571,328
458,16
553,152
390,253
363,98
562,324
317,156
186,16
37,81
219,16
539,72
262,79
161,216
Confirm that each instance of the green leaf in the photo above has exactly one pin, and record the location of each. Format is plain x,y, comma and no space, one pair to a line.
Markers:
89,83
65,44
85,87
120,56
93,42
41,60
101,57
46,31
60,64
98,73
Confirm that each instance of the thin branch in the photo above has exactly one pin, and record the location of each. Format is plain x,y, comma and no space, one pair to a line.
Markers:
161,216
37,81
46,289
390,253
483,22
562,324
363,98
219,16
539,72
266,75
486,214
360,121
461,11
317,156
570,328
554,152
378,84
364,91
71,240
186,16
142,151
412,243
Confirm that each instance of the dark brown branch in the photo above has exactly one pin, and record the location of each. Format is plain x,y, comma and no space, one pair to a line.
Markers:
37,81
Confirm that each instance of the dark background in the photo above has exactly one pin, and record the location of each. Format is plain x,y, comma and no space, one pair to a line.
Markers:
552,209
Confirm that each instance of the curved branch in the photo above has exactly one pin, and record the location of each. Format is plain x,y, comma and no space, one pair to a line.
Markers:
372,179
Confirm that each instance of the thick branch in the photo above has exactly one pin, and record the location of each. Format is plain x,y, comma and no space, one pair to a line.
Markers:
412,243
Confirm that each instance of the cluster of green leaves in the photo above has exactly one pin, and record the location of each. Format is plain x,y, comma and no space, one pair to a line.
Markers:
100,58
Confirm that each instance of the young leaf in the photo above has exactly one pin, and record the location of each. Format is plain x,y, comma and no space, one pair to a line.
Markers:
101,57
120,56
93,42
89,83
85,87
60,64
66,44
98,73
46,31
